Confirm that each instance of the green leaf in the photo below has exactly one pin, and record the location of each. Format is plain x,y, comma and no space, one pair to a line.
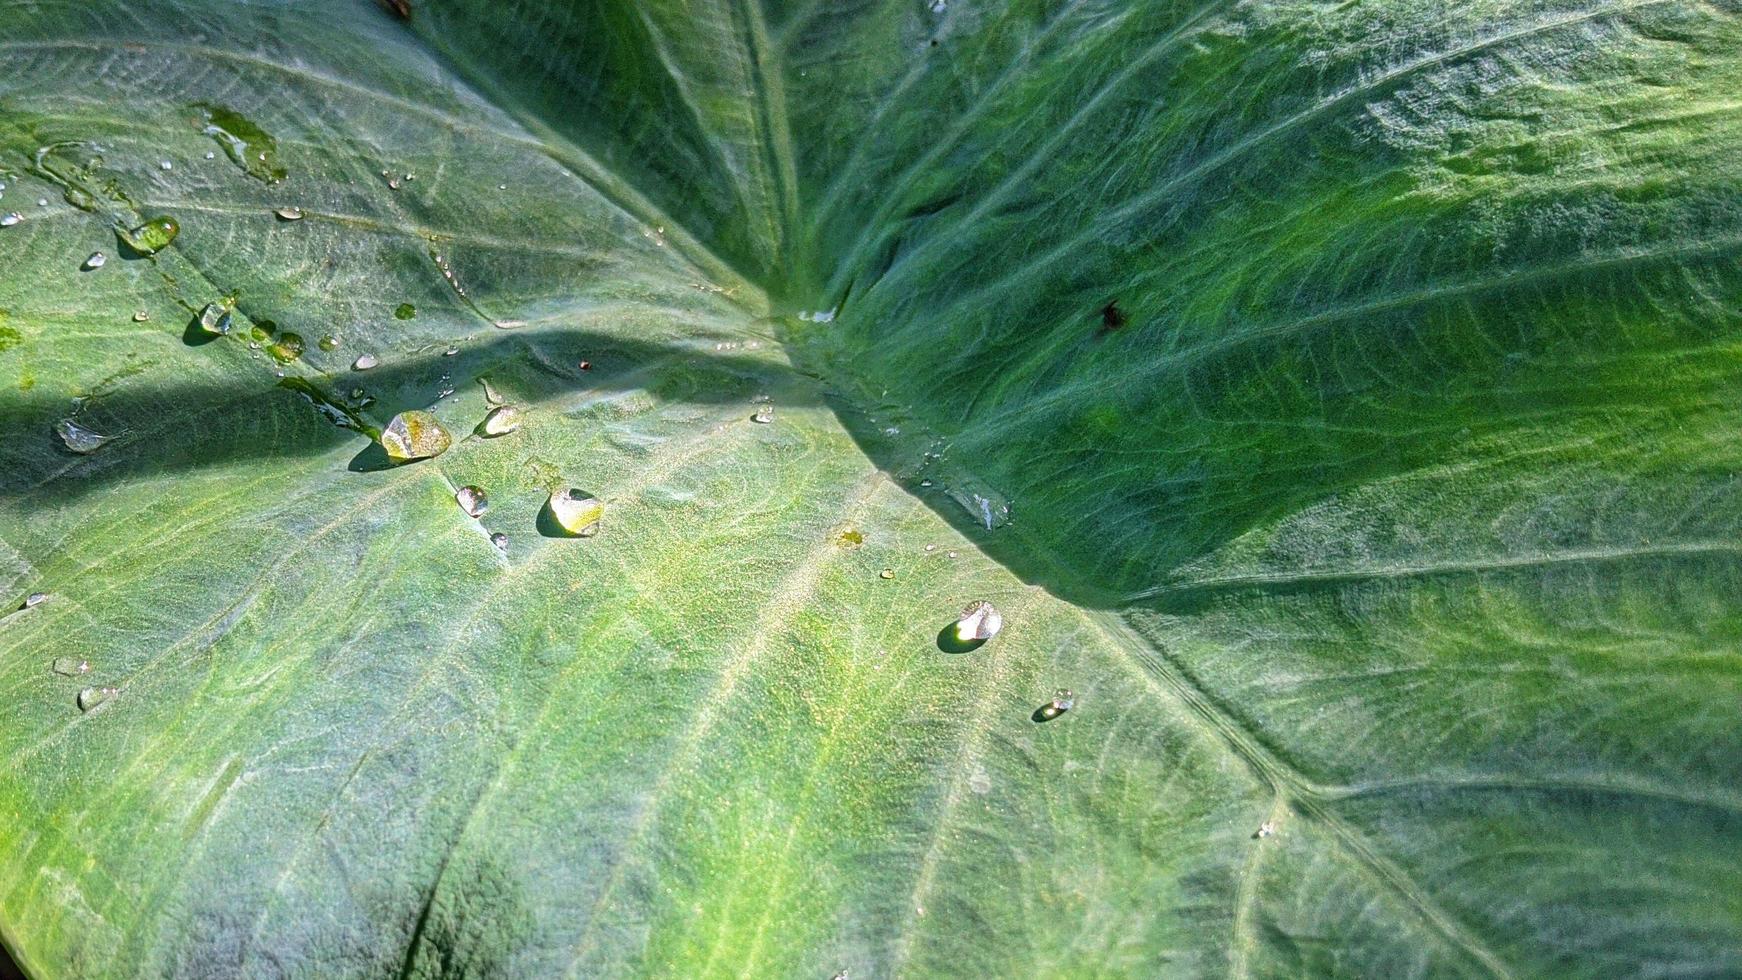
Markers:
1339,399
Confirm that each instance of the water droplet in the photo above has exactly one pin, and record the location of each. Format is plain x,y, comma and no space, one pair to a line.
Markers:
1062,701
211,155
472,500
42,202
501,421
151,237
414,435
931,548
500,540
576,512
886,573
490,395
70,666
329,342
140,316
288,348
979,621
165,165
10,219
95,261
763,416
92,698
451,351
1265,829
247,145
405,311
364,362
78,438
34,599
215,319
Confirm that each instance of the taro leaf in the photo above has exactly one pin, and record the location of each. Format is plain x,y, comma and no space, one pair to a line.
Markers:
1351,391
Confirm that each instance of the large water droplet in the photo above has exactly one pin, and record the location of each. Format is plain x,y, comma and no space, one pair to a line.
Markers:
151,237
472,500
95,261
288,348
92,698
576,512
980,620
288,214
501,421
763,415
215,319
35,599
415,435
78,438
70,666
364,362
10,218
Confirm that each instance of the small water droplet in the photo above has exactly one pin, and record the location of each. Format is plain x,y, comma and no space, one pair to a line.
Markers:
70,666
979,621
211,155
500,540
42,202
215,319
78,438
165,165
289,214
576,512
95,261
952,554
10,219
490,395
501,421
364,362
925,483
151,237
393,183
406,311
472,500
415,435
763,416
1062,701
140,316
1265,829
886,573
35,599
930,548
329,342
92,698
451,351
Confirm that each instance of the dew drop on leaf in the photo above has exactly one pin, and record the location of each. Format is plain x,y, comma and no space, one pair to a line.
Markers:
364,362
576,512
980,620
288,348
288,214
500,540
92,698
472,500
414,435
78,438
35,599
10,218
763,416
1062,701
70,666
329,342
215,319
502,420
95,261
151,237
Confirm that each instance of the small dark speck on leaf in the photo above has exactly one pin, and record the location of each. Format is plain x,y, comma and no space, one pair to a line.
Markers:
1112,317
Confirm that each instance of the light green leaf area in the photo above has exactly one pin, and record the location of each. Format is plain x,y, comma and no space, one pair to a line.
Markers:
1343,400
